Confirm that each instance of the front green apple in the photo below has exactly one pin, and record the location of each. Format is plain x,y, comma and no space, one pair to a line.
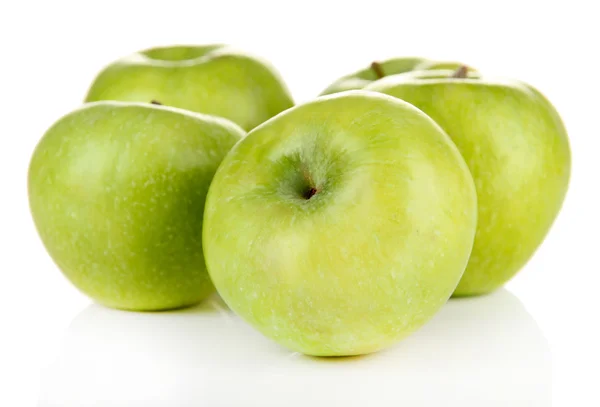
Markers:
378,70
117,194
342,225
211,79
518,152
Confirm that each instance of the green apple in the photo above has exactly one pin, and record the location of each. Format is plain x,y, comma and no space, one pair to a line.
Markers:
341,225
117,194
517,149
211,79
378,70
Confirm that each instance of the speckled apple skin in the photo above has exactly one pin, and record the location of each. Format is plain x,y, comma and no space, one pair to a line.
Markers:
117,193
211,79
517,150
372,255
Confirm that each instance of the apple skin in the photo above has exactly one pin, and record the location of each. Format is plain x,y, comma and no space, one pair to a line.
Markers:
117,195
372,255
517,150
211,79
364,77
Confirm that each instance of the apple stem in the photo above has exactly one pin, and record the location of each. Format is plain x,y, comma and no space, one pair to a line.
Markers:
461,72
155,102
378,69
311,190
310,193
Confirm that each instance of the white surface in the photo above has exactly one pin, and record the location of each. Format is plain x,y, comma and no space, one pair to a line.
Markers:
57,350
487,350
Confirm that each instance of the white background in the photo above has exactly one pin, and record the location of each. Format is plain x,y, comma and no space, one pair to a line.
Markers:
54,347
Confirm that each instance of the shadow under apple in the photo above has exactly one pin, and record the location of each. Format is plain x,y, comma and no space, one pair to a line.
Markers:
476,351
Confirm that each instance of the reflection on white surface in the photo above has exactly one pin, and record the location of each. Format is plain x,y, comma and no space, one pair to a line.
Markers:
485,351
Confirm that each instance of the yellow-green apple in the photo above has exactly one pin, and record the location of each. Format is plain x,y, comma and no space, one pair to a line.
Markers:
341,225
517,150
378,70
211,79
117,194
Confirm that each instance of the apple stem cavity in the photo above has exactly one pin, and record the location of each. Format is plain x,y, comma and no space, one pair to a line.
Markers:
461,72
378,69
155,102
309,193
311,190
